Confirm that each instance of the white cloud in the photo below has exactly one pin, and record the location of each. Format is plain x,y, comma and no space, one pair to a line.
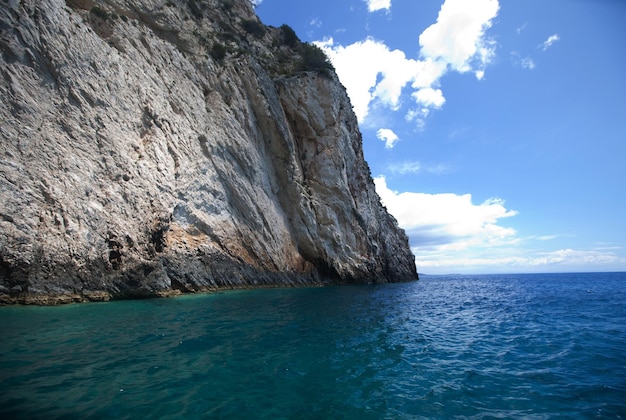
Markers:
548,42
447,221
458,37
352,64
358,66
388,136
374,5
429,97
450,234
371,72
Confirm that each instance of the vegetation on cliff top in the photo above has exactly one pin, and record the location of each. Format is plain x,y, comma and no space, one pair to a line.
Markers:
227,32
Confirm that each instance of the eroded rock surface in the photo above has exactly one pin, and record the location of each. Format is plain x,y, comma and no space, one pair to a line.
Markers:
153,147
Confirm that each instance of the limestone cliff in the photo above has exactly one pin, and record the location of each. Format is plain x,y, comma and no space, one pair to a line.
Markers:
151,147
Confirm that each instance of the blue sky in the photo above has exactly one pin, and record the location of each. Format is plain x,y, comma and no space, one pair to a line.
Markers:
495,129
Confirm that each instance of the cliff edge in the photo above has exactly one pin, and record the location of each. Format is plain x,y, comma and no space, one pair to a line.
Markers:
153,147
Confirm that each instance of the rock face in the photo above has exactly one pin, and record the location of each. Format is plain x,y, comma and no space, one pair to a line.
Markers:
153,147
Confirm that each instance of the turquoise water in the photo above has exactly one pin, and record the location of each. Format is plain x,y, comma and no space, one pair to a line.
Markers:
512,346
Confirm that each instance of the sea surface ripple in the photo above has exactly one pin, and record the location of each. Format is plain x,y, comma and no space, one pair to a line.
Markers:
537,346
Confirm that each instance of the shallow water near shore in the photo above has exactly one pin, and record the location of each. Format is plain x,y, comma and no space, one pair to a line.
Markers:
497,346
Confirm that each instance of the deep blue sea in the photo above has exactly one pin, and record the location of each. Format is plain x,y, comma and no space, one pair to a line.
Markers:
537,346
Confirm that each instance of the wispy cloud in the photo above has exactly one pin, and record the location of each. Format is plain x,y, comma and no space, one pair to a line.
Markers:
315,22
375,5
548,42
521,28
405,168
371,72
571,256
440,262
547,237
402,168
523,62
388,136
527,63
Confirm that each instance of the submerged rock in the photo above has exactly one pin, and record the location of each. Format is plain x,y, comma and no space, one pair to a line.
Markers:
159,147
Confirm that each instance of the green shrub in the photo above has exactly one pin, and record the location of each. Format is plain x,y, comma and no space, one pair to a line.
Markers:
253,27
289,36
218,51
102,14
314,59
196,9
229,37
